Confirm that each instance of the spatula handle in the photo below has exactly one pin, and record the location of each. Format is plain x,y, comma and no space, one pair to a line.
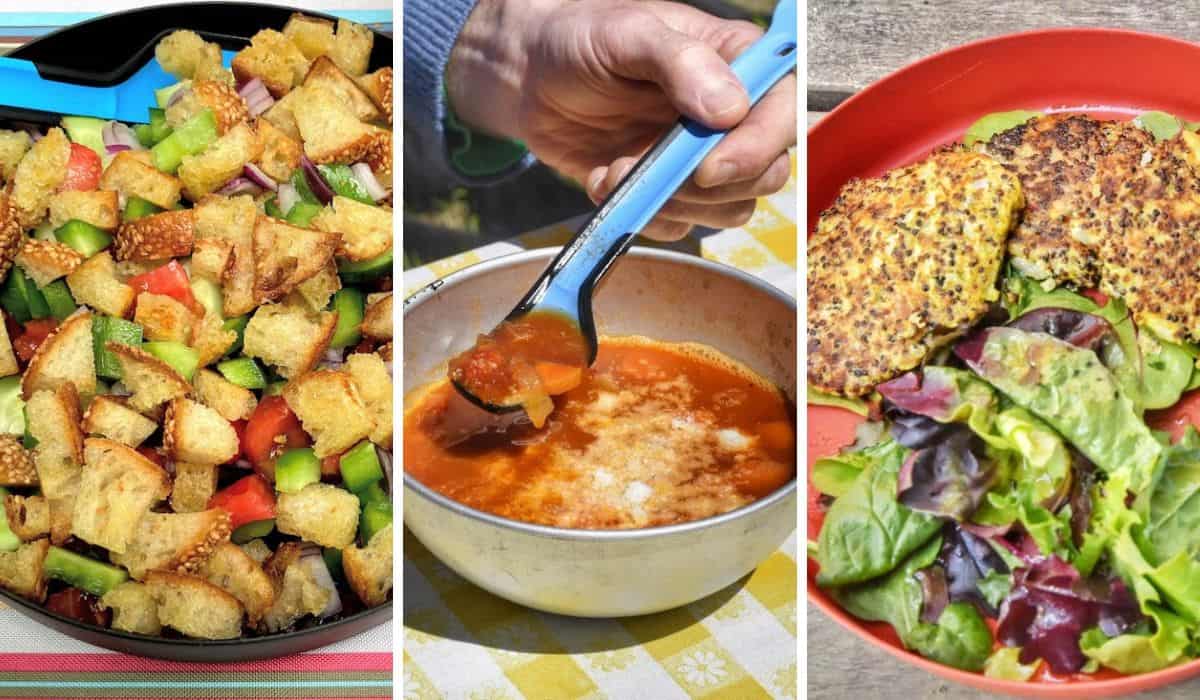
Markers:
21,86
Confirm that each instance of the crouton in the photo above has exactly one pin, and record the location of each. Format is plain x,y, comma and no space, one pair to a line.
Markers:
8,359
280,154
46,261
108,417
28,516
379,157
209,258
369,569
210,339
320,513
193,432
53,418
352,47
179,542
11,232
240,575
324,75
22,571
194,486
378,86
228,218
13,147
312,35
288,337
168,234
181,52
297,593
257,550
377,317
65,356
374,385
152,381
385,351
16,463
222,161
117,487
132,176
231,401
133,609
281,116
164,318
95,284
38,177
330,130
316,291
285,256
366,230
194,607
330,408
237,282
272,58
100,208
227,106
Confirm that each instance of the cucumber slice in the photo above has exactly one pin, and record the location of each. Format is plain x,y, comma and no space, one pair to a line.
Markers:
136,208
365,270
244,372
59,299
83,237
208,294
118,330
253,531
12,407
81,572
86,131
349,303
180,357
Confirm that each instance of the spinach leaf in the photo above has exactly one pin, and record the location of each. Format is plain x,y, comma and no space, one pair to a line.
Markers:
960,638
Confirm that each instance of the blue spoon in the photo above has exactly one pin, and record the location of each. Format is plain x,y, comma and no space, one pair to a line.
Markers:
566,286
23,87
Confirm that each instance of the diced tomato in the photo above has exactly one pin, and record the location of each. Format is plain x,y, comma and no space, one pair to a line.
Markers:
83,170
331,465
80,606
366,345
153,455
32,336
169,280
1176,419
246,500
239,427
272,428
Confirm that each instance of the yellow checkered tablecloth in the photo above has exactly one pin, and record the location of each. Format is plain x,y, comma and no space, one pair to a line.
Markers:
461,642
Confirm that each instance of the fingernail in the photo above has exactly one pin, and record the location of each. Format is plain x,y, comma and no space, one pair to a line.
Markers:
726,171
721,97
593,184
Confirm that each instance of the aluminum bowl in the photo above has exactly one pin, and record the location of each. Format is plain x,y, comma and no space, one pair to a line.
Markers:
605,573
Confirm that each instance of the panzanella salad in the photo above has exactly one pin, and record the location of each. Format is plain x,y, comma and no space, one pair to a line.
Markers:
1025,492
196,402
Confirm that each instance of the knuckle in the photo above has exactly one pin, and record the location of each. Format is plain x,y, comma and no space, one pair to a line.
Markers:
742,214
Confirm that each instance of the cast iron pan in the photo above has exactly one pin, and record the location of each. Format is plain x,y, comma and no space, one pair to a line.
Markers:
98,52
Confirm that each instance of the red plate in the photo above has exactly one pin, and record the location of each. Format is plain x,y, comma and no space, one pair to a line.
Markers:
1104,72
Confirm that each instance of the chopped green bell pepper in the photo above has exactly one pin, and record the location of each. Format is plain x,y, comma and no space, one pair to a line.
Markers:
253,531
333,561
192,137
341,180
271,207
375,517
58,298
83,573
244,372
21,298
180,357
300,182
349,304
118,330
365,270
360,467
136,208
302,214
83,237
237,324
373,493
295,469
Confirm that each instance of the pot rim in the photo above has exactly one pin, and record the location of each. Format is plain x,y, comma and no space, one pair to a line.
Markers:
411,485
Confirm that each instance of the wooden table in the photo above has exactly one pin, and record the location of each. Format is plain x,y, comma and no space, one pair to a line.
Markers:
851,45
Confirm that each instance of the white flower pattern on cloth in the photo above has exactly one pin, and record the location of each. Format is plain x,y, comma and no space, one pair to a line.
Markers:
703,668
414,688
614,660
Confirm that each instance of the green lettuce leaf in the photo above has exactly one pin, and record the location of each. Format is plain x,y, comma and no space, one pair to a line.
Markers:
1005,663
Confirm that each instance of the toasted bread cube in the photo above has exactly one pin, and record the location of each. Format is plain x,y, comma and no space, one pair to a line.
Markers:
320,513
22,571
209,258
231,401
385,351
377,317
257,550
13,147
240,575
374,385
133,609
8,359
228,107
194,486
194,607
95,284
132,176
330,130
38,177
168,234
12,235
237,284
316,291
288,338
181,52
152,381
297,593
16,463
366,230
65,356
108,417
228,218
224,160
281,153
369,569
193,432
272,58
352,47
164,318
285,256
46,261
28,516
312,35
179,542
330,409
326,76
118,486
100,208
53,418
210,339
281,116
379,86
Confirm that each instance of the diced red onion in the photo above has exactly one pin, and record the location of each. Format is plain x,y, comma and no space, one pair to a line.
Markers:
260,105
119,137
366,178
239,185
314,564
288,196
385,461
177,96
315,182
258,177
258,98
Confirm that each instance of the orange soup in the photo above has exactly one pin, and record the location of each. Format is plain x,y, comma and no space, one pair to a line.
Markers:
655,433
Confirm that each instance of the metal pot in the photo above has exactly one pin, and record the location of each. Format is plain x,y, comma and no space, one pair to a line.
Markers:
591,573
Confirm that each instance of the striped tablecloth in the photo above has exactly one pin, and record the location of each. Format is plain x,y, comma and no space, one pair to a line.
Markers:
463,643
40,663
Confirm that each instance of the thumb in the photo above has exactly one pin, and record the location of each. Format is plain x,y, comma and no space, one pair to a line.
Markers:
699,83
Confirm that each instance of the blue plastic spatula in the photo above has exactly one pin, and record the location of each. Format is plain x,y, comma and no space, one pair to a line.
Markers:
567,285
22,87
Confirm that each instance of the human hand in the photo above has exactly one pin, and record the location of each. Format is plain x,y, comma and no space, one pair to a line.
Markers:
590,85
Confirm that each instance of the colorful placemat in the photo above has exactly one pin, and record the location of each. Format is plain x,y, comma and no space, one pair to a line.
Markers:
463,643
